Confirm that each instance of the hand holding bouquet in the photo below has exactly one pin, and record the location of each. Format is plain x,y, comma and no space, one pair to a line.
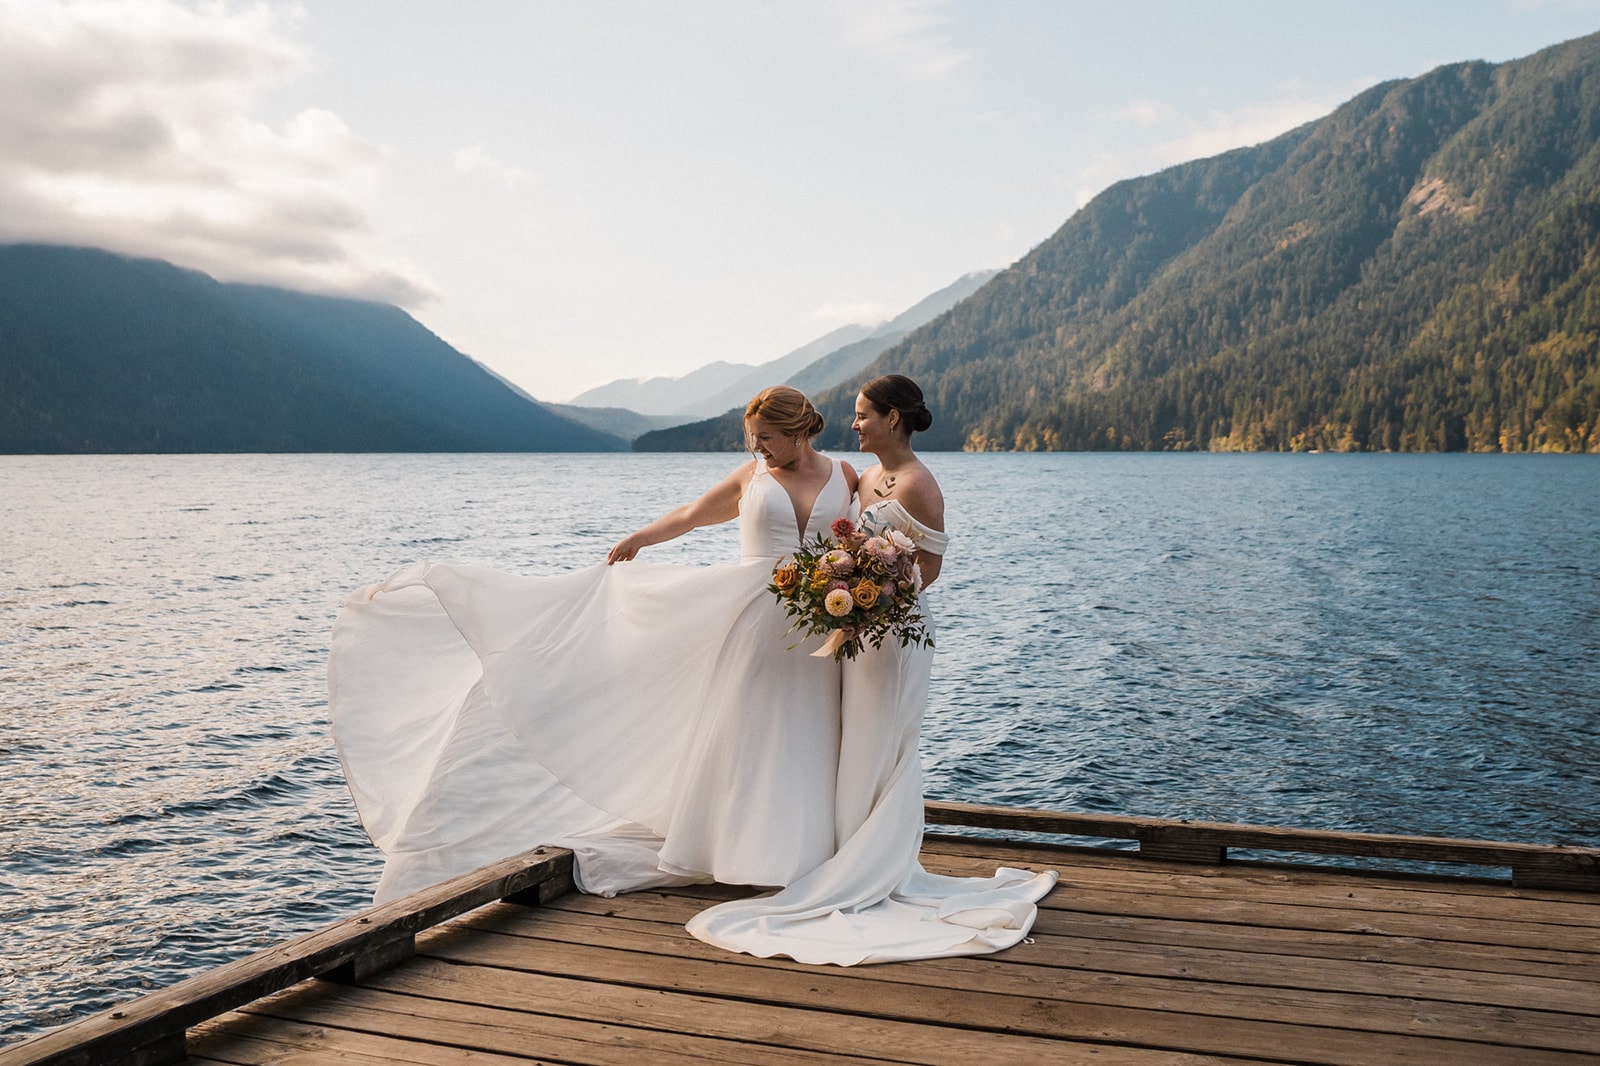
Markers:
857,586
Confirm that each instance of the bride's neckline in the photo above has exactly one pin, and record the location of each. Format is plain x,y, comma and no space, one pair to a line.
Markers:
803,523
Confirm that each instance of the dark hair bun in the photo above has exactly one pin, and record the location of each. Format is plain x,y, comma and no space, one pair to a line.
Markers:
896,392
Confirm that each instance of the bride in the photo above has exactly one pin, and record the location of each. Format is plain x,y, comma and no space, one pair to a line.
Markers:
650,717
872,901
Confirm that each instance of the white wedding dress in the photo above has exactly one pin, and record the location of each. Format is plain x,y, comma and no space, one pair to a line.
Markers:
650,717
872,901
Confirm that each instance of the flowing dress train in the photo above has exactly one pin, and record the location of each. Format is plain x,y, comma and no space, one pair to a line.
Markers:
650,717
873,901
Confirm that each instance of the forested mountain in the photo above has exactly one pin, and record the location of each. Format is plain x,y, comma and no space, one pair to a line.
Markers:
1418,271
101,353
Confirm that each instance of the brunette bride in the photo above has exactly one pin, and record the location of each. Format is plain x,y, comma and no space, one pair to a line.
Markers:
872,901
650,717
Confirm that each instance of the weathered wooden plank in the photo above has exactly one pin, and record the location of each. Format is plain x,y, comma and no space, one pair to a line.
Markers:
1356,896
1419,1001
436,991
150,1030
1552,865
1035,854
1523,1005
1353,888
1016,1028
1313,946
1328,919
518,1033
250,1040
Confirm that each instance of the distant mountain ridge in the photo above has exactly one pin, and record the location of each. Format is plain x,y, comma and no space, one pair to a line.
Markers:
718,387
662,395
615,420
106,353
738,392
703,391
1417,271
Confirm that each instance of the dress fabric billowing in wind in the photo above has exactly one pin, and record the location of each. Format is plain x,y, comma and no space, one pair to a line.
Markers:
650,717
873,901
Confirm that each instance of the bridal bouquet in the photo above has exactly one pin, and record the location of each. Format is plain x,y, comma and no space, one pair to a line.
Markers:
857,586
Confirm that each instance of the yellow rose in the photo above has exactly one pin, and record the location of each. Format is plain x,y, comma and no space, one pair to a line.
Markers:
820,581
865,594
786,578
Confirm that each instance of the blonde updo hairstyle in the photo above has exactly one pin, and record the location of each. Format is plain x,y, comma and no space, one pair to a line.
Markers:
784,409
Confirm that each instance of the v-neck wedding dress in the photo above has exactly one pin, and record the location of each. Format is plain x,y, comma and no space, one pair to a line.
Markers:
651,717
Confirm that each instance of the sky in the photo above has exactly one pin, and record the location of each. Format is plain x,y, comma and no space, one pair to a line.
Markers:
576,192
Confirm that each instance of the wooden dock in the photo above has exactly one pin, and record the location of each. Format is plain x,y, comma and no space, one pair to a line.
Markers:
1174,953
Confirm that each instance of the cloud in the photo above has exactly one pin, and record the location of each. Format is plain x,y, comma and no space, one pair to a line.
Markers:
849,313
1179,137
1103,169
474,160
997,119
1145,113
1220,131
127,126
912,38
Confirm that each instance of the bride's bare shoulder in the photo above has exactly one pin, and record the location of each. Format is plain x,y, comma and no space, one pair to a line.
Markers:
921,480
919,493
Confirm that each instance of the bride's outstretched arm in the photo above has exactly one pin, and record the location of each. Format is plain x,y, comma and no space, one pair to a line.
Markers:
719,504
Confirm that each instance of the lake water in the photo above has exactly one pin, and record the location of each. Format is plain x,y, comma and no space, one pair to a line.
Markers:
1382,643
